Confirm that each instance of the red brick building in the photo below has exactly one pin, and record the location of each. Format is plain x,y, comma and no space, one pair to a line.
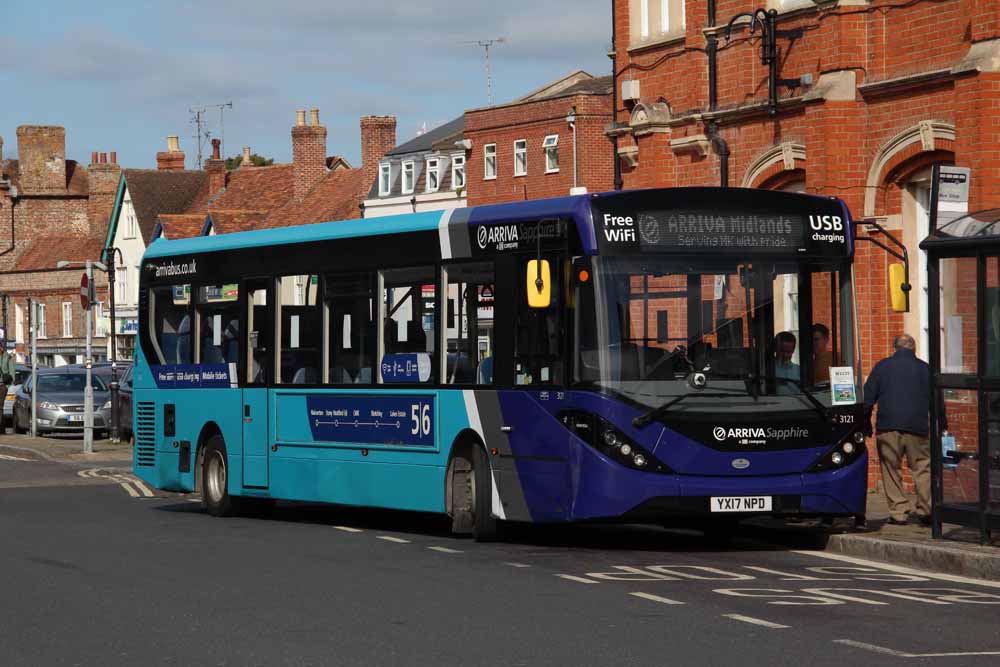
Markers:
525,149
52,209
884,90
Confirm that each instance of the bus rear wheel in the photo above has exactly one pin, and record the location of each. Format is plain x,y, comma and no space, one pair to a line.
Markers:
215,479
471,494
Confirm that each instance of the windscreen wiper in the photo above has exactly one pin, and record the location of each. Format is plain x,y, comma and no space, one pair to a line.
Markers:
819,407
657,412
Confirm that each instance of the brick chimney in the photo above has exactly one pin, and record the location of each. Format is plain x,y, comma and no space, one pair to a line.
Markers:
102,177
173,158
215,167
41,153
308,153
378,136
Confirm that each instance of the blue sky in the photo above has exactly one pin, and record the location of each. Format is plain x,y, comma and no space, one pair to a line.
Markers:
121,76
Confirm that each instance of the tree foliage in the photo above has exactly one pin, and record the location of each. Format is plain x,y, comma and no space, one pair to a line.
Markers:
257,161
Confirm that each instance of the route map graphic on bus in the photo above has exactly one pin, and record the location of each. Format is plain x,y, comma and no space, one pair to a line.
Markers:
372,419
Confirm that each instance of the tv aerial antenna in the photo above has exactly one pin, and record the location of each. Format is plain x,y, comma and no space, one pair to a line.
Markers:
486,45
199,116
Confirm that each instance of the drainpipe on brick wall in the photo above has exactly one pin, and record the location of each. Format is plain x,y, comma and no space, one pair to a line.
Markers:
722,150
12,193
718,143
614,100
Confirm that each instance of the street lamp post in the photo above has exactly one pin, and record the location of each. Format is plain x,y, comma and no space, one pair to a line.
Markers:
115,415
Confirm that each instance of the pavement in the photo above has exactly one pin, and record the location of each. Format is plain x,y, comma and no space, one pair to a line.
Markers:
908,546
94,575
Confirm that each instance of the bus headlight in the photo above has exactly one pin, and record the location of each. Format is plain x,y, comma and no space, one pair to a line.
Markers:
837,458
848,447
610,441
846,452
858,437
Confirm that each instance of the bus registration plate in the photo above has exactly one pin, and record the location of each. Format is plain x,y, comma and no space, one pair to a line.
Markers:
741,503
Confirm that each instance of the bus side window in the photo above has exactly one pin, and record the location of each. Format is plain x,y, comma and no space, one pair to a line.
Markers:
538,333
469,324
170,318
258,338
350,328
408,338
300,332
218,322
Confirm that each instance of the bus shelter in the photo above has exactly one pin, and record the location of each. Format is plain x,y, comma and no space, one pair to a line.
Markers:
964,321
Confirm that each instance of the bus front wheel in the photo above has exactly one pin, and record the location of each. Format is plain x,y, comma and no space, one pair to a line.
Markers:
215,479
471,494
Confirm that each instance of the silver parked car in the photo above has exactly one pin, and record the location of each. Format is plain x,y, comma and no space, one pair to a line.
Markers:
60,402
21,372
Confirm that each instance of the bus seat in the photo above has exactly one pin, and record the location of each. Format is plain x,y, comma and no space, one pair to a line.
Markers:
211,354
306,375
485,371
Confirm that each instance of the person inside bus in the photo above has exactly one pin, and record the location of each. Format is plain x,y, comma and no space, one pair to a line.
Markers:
784,367
822,356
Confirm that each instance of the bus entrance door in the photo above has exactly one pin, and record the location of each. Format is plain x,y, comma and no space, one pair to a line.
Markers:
257,359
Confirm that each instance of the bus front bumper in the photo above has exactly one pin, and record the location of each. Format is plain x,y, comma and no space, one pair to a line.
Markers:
651,497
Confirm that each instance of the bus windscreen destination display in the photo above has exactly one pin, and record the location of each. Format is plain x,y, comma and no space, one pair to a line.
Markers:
701,220
698,229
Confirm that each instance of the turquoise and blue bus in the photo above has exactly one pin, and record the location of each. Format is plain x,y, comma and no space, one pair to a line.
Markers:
631,356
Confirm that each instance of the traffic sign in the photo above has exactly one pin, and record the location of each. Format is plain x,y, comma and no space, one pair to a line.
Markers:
85,292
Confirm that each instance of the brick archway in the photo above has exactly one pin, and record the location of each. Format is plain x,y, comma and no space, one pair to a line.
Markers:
915,147
776,167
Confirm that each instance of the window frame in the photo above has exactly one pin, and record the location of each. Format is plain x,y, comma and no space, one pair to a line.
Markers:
40,326
520,151
382,313
408,165
67,309
384,178
434,170
99,329
551,144
457,166
487,154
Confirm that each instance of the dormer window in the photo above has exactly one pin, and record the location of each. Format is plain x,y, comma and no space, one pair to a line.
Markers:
433,174
551,147
384,179
407,177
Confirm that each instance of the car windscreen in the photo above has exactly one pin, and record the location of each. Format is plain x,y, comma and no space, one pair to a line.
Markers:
68,382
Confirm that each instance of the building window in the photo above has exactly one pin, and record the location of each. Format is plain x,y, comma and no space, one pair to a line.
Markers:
657,19
384,182
457,172
433,175
121,285
19,323
407,177
129,219
100,326
67,313
41,320
520,157
551,146
489,161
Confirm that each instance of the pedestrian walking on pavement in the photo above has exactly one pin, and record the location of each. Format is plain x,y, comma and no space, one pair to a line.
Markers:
7,368
901,387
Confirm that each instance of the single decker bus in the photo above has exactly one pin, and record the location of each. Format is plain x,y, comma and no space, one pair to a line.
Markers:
633,356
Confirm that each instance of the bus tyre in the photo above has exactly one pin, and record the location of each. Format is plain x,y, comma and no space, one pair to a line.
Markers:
215,479
484,524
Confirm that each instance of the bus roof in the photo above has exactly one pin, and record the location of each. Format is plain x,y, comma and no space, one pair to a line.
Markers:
579,208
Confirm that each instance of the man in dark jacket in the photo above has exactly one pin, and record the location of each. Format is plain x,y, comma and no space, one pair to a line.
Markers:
901,386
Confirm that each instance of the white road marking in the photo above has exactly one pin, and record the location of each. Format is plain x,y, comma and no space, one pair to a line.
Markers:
582,580
902,570
755,621
132,492
348,529
655,598
193,500
146,491
903,654
517,564
390,538
6,457
445,550
87,473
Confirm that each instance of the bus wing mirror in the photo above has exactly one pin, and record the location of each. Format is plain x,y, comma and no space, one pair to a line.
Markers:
539,283
898,288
